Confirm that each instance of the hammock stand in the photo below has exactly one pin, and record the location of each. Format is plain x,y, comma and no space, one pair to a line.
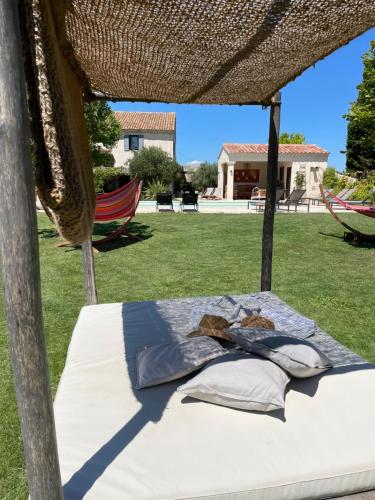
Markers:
119,204
355,236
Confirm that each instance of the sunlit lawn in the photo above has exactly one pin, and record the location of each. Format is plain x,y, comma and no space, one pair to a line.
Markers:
193,255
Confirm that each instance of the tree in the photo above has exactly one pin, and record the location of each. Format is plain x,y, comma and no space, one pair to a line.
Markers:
330,179
205,176
292,138
153,164
104,131
360,144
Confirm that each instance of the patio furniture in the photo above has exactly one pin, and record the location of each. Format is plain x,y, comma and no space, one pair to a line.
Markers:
189,200
119,204
212,193
355,235
258,194
106,428
208,192
164,200
259,205
337,200
294,199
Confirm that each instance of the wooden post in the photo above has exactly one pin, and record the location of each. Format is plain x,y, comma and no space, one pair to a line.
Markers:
89,273
269,209
20,265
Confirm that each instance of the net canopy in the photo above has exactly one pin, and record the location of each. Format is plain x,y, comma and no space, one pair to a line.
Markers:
203,51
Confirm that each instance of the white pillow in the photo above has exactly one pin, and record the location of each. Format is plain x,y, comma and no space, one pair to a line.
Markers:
168,361
240,380
298,357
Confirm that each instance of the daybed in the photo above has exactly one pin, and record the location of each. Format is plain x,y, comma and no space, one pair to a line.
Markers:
117,442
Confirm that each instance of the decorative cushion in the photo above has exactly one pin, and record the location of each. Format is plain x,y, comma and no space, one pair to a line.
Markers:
224,307
299,358
212,326
168,361
240,380
255,321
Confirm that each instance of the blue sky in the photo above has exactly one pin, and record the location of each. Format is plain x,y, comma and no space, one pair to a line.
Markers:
313,104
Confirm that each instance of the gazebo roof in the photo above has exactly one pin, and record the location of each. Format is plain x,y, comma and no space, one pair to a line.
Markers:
200,51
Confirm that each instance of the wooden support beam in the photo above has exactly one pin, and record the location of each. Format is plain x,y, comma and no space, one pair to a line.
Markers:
89,273
269,209
20,266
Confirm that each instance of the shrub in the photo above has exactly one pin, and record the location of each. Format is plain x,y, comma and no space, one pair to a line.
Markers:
107,179
102,158
205,176
153,189
181,184
363,190
154,164
330,179
299,180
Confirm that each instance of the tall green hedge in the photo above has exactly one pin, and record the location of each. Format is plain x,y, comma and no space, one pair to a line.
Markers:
107,179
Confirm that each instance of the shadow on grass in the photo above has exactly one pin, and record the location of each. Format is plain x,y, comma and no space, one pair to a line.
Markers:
136,233
350,241
48,233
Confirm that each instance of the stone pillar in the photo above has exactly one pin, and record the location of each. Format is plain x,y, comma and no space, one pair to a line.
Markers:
220,178
230,181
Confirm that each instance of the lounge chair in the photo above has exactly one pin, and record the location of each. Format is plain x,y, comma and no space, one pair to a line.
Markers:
212,194
164,200
340,195
189,200
334,199
260,204
294,199
208,192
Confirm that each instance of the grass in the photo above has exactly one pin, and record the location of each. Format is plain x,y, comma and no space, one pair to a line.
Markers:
191,255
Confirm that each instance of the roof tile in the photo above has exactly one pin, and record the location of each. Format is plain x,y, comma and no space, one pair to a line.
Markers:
283,148
134,120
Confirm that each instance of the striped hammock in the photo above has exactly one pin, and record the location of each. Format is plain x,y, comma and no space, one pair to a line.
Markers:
118,204
360,209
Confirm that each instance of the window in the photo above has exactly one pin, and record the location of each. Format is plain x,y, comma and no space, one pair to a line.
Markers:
134,142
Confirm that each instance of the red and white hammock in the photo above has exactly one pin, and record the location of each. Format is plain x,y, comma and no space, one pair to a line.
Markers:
356,235
118,204
360,209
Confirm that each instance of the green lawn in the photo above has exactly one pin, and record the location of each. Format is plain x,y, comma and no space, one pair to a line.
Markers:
190,255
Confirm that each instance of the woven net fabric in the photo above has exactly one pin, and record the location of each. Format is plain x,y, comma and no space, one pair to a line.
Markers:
205,51
64,177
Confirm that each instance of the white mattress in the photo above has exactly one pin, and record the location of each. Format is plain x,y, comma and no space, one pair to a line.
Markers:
116,442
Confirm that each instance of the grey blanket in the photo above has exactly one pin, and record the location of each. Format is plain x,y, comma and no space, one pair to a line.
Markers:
180,314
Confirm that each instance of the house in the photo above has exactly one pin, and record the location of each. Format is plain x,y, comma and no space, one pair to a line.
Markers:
143,130
241,167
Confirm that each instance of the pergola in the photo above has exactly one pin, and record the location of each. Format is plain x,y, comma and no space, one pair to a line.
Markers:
182,51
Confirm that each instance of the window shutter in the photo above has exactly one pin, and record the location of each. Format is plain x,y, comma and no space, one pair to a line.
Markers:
141,142
126,142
